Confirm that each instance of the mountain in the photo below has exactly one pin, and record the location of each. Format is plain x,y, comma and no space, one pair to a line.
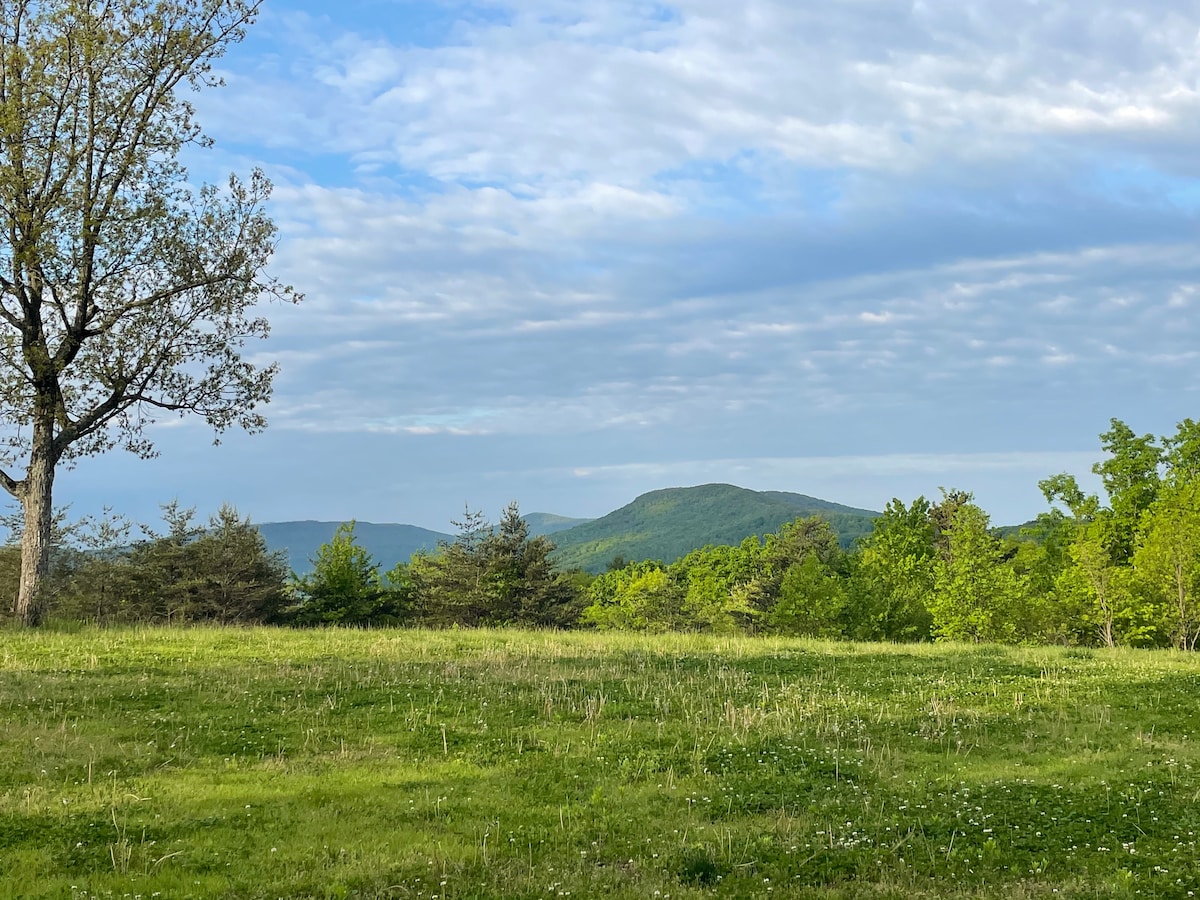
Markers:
849,522
388,544
664,525
670,523
549,523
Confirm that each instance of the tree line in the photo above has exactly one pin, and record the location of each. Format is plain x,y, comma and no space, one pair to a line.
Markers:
1122,569
105,570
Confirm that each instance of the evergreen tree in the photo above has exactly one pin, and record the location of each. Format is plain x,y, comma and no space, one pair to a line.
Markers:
235,577
344,587
451,582
521,584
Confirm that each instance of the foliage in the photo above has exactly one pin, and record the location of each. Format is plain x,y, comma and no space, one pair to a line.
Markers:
893,578
344,587
638,597
451,581
811,600
1131,478
389,544
926,571
222,573
725,588
1168,559
975,596
494,576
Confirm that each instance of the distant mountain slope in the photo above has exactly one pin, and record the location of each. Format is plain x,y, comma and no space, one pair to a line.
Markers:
849,522
549,523
388,544
663,525
670,523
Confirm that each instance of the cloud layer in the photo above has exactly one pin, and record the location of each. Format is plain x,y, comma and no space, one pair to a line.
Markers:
585,236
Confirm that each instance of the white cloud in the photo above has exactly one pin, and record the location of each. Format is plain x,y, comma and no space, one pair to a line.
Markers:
762,228
546,97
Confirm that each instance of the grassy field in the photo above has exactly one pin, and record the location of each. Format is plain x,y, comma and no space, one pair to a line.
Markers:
443,765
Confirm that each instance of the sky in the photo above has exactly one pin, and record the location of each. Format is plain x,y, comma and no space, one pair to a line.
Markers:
569,251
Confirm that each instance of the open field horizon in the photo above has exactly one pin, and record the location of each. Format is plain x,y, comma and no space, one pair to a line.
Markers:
208,762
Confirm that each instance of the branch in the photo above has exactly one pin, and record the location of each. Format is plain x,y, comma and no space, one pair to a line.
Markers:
10,485
157,297
6,288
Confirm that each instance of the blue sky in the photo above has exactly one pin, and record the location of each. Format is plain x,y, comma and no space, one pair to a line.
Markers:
567,252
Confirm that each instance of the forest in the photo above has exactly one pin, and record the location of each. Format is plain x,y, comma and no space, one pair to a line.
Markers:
1121,569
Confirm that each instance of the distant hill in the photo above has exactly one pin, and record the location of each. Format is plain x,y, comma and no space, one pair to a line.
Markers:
388,544
549,523
1018,532
663,525
670,523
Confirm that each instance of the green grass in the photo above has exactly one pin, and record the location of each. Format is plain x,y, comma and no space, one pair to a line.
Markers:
263,763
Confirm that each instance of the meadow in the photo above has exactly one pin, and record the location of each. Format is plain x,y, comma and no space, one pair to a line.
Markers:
453,764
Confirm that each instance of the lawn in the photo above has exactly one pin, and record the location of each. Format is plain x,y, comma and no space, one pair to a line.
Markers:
455,764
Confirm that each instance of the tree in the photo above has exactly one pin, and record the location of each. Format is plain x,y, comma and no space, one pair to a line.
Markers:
800,539
811,600
1181,452
640,597
724,586
521,584
163,574
1093,570
237,578
222,573
1132,480
124,294
1168,559
344,587
976,595
452,581
100,577
1063,488
893,578
941,516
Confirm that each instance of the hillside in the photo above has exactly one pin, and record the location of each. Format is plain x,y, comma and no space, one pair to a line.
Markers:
663,524
669,523
549,523
388,544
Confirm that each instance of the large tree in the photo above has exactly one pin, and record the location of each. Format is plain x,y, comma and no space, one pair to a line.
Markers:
893,579
977,595
124,293
1168,559
1132,479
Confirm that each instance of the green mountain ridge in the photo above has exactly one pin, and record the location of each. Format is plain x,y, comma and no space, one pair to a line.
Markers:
664,524
387,543
670,523
549,523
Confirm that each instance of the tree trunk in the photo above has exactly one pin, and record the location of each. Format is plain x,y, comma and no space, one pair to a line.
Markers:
36,498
